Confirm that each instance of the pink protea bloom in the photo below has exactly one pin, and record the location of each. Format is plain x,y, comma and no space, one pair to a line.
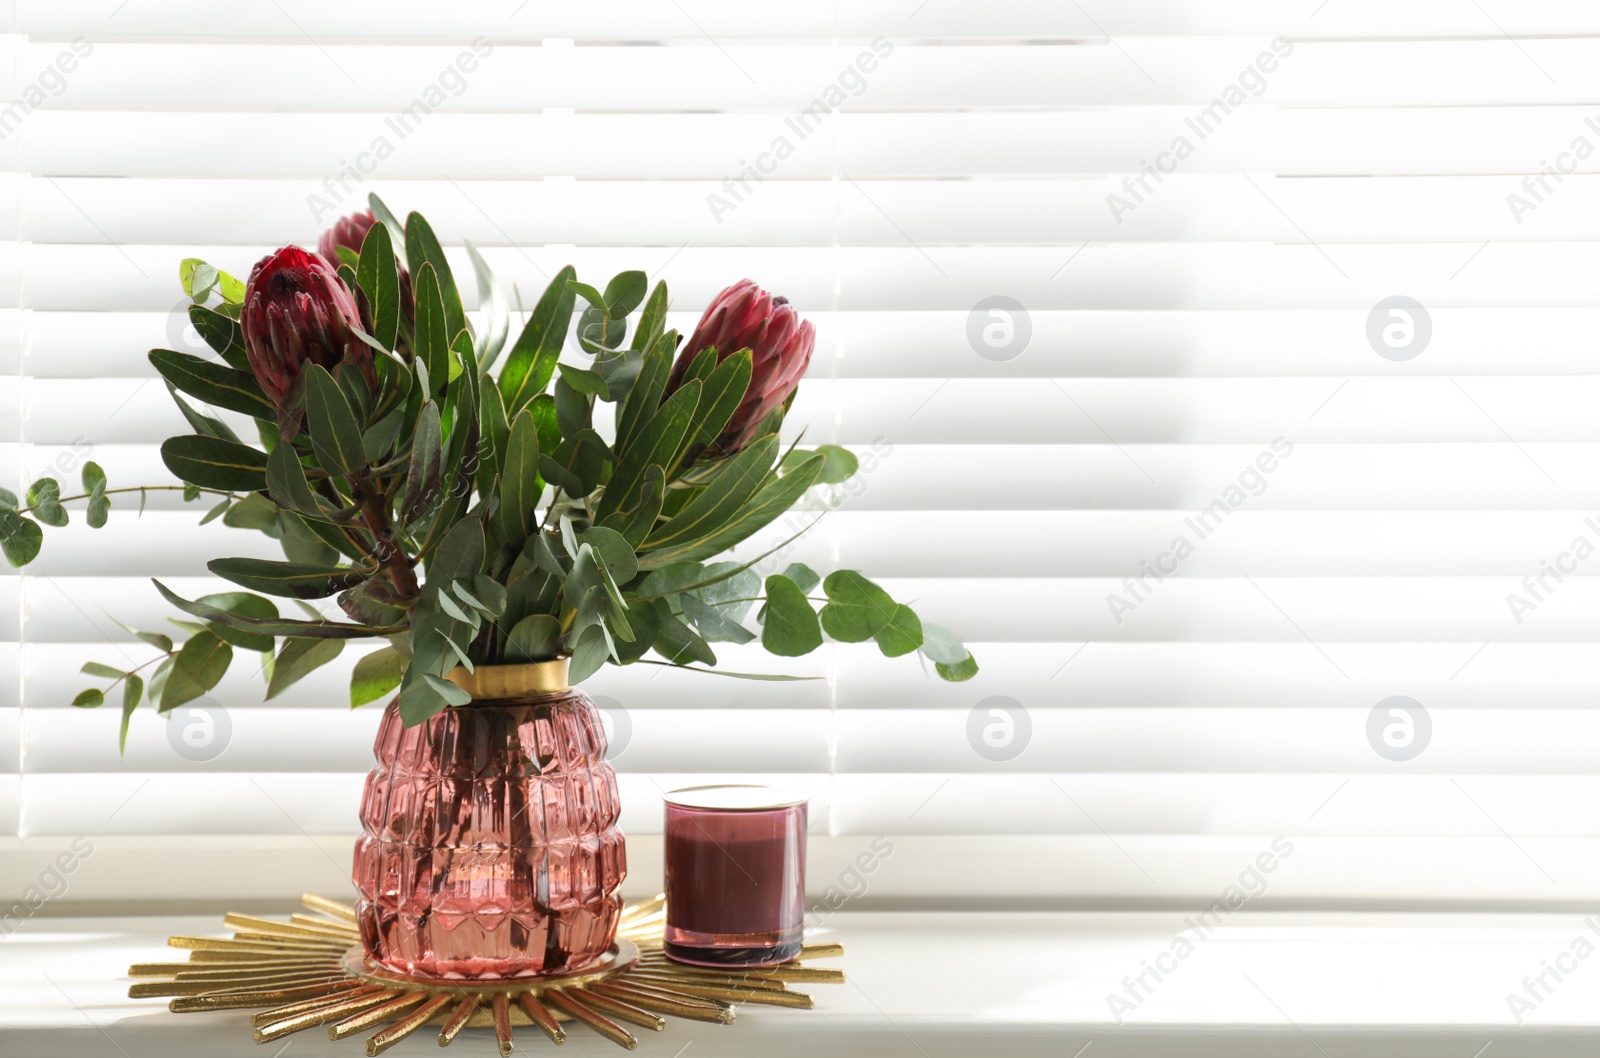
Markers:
746,317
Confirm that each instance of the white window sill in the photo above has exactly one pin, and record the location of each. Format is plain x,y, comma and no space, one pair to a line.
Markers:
966,984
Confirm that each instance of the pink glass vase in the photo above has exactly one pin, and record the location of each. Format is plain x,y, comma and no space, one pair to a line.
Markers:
489,845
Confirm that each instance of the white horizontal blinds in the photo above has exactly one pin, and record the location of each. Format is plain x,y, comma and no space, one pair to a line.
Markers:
12,48
1219,302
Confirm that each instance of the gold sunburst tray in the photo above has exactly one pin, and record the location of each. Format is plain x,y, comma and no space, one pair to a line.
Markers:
311,971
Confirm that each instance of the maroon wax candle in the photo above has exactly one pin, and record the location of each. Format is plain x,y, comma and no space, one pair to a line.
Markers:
736,875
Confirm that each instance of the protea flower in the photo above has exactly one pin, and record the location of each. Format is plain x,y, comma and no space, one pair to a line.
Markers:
350,232
297,309
746,317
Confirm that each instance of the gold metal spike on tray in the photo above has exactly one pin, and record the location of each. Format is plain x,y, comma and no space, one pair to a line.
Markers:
311,971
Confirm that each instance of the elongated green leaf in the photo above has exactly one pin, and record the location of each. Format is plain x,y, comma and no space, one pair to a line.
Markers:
423,250
645,396
431,340
94,483
772,500
379,278
242,604
735,482
497,314
635,524
840,465
652,319
335,432
286,482
659,442
725,388
715,624
216,384
132,692
291,580
299,657
678,643
791,628
494,434
959,672
200,666
532,359
589,655
222,333
105,672
264,627
423,475
92,698
449,692
375,675
207,425
520,485
213,463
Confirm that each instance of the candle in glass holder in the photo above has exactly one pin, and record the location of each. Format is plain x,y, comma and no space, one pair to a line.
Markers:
736,875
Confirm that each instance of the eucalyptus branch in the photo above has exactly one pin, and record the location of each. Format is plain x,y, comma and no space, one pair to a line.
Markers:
133,488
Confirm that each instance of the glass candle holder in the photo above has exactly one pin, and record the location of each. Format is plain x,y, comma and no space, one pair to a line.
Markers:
736,875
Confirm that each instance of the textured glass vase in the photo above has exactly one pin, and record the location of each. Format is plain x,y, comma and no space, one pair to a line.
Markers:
489,845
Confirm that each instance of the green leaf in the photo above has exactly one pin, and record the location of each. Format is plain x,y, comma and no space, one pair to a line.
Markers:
715,623
299,657
585,381
431,338
292,580
791,629
803,575
89,699
385,216
335,433
212,463
460,553
614,549
200,666
45,495
939,645
624,293
635,524
678,643
20,537
106,672
857,609
535,638
652,319
902,635
216,384
223,334
218,511
520,484
959,672
263,626
495,432
157,640
423,250
197,277
496,312
659,442
451,694
205,425
94,483
589,655
379,278
241,604
231,289
375,675
839,464
773,499
254,511
725,388
287,484
423,474
648,388
532,359
132,692
726,493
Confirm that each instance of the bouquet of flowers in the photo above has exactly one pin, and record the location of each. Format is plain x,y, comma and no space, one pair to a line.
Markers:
473,517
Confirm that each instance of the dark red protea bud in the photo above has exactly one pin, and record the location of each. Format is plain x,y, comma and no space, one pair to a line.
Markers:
350,232
746,317
297,309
